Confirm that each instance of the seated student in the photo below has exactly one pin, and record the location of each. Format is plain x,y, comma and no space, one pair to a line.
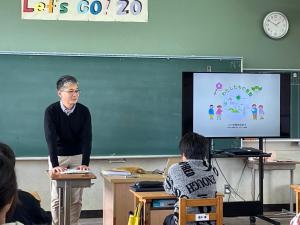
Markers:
28,209
8,187
191,178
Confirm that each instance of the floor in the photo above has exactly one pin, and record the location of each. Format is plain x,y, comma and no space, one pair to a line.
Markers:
283,219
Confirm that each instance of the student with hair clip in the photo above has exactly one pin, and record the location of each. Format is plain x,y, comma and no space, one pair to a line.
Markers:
192,177
8,188
68,132
27,209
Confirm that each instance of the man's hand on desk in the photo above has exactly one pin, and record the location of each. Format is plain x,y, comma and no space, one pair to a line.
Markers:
62,169
58,169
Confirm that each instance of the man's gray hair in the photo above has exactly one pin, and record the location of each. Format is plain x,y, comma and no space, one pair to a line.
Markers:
64,80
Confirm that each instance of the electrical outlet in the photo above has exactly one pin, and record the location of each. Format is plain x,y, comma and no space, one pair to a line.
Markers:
227,189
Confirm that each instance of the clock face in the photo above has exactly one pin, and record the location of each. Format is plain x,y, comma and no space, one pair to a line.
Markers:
276,25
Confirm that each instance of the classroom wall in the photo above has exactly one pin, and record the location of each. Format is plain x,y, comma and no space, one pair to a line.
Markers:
175,27
194,27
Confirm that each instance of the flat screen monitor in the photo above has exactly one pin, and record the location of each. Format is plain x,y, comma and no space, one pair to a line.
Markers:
226,105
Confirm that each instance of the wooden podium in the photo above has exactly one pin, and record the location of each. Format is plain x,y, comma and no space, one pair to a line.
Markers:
65,183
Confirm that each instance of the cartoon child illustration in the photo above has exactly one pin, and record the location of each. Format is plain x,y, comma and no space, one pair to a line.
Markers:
211,112
261,112
219,112
254,111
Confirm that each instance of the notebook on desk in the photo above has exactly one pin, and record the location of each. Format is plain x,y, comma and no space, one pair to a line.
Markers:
75,171
147,186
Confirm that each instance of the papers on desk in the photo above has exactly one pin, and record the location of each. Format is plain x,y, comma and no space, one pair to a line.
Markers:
72,171
115,173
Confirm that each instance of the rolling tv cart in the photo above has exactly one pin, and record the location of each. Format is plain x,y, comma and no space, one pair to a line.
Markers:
253,209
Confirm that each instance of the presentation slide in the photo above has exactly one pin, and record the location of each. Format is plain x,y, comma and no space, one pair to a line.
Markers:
236,105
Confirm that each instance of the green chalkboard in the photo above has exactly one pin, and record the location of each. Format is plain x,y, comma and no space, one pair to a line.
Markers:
135,102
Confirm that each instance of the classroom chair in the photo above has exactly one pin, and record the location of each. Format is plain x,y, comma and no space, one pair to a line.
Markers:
216,203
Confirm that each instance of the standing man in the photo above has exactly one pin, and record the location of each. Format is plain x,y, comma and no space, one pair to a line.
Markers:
68,133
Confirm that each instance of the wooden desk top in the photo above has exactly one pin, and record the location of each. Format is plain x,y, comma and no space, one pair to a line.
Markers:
274,165
296,187
275,162
152,195
73,176
134,178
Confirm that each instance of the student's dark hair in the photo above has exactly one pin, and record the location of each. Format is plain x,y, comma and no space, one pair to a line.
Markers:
193,146
8,152
65,79
8,181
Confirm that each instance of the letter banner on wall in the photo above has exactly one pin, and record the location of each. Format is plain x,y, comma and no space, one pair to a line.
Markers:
86,10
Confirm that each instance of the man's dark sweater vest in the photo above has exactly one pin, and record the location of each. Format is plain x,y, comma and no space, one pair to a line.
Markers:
68,135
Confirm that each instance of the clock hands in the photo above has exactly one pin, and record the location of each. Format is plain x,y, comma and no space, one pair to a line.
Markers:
274,22
278,23
271,21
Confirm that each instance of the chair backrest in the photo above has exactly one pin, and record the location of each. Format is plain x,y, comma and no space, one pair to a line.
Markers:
216,215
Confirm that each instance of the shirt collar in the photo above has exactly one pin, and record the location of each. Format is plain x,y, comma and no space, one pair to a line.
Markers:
65,110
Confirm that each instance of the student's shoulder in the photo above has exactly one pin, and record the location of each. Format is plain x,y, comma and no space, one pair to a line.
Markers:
174,168
178,167
25,196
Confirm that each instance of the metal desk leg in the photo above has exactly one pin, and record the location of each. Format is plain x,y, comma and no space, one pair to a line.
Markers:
291,191
60,207
253,184
67,202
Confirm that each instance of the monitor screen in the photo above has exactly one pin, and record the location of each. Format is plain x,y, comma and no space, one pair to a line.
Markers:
236,104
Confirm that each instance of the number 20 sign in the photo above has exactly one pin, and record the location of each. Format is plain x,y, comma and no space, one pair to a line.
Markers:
86,10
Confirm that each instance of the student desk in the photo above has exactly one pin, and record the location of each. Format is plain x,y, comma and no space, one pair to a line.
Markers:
274,165
117,198
296,188
65,183
146,198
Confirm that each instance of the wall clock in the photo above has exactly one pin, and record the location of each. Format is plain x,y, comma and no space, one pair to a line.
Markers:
276,25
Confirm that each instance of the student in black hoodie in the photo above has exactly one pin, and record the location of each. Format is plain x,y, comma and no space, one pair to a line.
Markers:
27,208
8,187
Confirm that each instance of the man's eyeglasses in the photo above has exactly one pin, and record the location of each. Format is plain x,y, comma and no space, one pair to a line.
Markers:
72,91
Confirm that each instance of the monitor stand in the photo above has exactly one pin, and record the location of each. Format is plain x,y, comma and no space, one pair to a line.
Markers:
261,186
252,209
